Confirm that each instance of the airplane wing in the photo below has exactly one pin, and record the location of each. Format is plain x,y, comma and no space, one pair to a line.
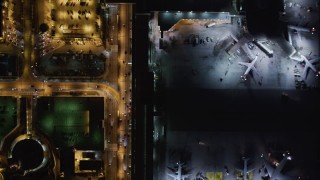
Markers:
314,60
312,67
250,169
238,169
172,175
185,176
244,64
304,73
269,168
172,169
254,69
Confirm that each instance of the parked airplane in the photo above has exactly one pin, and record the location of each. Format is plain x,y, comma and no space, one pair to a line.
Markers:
250,66
275,173
245,171
178,174
309,65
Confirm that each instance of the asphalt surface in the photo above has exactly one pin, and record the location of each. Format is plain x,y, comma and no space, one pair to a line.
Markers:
242,110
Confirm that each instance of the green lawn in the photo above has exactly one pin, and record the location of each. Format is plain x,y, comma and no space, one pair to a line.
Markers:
8,115
72,121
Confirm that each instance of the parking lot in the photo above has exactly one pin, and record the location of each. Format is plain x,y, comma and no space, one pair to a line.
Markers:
75,18
72,64
72,45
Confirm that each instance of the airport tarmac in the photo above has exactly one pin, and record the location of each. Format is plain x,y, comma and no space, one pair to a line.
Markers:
197,64
207,152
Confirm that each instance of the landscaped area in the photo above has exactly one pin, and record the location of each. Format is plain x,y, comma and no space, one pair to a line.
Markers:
8,115
72,122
